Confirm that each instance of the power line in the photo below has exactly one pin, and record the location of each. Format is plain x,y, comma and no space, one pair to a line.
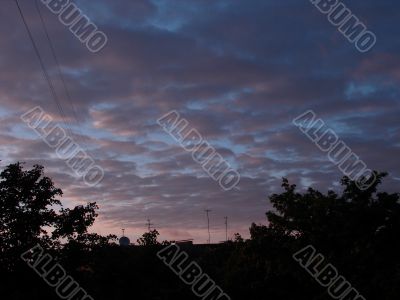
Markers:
68,95
44,71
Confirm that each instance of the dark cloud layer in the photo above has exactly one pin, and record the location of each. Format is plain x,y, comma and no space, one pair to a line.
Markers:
238,71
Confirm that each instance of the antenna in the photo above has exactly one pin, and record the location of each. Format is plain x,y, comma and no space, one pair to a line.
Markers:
226,229
123,231
208,225
149,224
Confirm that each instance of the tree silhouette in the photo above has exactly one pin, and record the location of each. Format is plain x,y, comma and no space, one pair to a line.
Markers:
149,238
30,214
237,238
356,231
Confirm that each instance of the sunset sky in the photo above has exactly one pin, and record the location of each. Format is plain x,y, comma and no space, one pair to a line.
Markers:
239,71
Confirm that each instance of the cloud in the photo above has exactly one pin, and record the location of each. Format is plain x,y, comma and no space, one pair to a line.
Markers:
239,72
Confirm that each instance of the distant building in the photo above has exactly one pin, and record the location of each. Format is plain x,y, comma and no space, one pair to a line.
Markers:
184,243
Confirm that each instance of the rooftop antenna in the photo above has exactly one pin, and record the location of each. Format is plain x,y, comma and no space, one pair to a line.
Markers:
208,225
149,224
226,229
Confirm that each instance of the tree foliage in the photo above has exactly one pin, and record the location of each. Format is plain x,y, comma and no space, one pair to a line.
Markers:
149,238
31,213
356,231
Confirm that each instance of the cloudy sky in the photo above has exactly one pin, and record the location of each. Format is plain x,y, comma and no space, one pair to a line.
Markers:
239,71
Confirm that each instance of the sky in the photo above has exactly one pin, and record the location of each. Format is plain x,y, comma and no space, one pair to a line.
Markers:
238,71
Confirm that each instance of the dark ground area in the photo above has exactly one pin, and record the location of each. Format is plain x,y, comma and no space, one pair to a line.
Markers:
357,232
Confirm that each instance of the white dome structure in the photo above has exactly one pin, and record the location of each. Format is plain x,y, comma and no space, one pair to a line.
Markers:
124,241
